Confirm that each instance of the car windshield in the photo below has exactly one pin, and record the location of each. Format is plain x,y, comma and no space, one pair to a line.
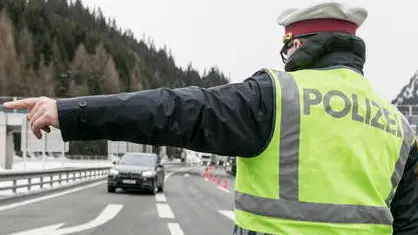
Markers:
137,159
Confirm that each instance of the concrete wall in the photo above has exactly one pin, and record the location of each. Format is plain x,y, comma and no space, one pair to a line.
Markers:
8,164
3,140
6,144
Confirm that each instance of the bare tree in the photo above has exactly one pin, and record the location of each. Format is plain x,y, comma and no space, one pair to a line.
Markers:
9,65
109,80
135,78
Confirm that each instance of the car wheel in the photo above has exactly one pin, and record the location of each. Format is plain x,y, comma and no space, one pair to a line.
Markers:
111,189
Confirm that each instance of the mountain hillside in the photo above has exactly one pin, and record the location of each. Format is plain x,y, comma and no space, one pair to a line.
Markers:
409,93
60,48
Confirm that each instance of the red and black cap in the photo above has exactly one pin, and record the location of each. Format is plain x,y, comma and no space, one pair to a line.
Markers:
323,17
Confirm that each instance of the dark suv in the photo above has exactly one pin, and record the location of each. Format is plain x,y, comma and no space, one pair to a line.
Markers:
137,171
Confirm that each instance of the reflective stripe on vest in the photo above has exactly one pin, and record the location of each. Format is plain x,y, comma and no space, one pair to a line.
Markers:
288,206
403,158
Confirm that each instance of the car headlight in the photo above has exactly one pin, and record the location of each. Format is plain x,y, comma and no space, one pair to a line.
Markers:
113,172
148,173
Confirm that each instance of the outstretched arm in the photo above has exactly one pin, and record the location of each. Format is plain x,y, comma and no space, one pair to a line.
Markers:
233,119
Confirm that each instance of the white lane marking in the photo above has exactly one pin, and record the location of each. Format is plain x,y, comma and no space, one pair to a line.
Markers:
219,187
160,197
168,175
171,173
30,201
223,189
164,211
175,229
229,214
105,216
47,230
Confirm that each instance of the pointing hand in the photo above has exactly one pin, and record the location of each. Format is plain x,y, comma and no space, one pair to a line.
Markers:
43,113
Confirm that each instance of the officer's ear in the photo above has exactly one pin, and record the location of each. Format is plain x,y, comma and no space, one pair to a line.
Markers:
295,44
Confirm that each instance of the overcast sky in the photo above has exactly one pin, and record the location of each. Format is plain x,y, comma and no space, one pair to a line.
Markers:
241,36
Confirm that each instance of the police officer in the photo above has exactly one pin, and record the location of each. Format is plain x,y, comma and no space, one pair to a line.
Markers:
319,151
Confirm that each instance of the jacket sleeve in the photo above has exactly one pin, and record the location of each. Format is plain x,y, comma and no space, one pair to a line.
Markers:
233,119
404,205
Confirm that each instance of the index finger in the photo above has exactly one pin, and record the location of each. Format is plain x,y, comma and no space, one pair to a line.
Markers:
27,103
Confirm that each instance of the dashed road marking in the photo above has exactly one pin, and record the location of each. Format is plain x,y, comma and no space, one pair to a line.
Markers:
164,211
171,173
168,175
160,197
229,214
223,189
219,187
175,229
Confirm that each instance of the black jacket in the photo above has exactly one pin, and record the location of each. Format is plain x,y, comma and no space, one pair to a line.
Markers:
233,119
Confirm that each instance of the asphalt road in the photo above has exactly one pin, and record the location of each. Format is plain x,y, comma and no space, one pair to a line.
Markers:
190,205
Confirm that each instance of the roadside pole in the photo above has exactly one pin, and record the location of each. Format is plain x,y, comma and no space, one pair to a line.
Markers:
25,141
63,154
43,150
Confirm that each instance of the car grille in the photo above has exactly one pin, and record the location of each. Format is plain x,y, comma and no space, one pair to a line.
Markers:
130,175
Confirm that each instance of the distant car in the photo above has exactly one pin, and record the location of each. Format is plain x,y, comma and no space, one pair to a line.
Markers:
140,171
206,160
231,166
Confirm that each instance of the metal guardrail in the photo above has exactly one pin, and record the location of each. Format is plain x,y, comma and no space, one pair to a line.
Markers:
38,178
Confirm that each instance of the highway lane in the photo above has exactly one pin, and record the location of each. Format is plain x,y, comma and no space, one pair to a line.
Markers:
196,204
189,205
138,212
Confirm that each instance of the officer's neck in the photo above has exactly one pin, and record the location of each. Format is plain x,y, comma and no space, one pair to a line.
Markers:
329,50
340,59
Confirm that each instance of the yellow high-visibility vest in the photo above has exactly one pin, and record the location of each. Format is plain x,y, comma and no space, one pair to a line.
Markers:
333,163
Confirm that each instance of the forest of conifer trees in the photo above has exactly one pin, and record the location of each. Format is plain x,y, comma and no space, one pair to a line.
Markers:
60,48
